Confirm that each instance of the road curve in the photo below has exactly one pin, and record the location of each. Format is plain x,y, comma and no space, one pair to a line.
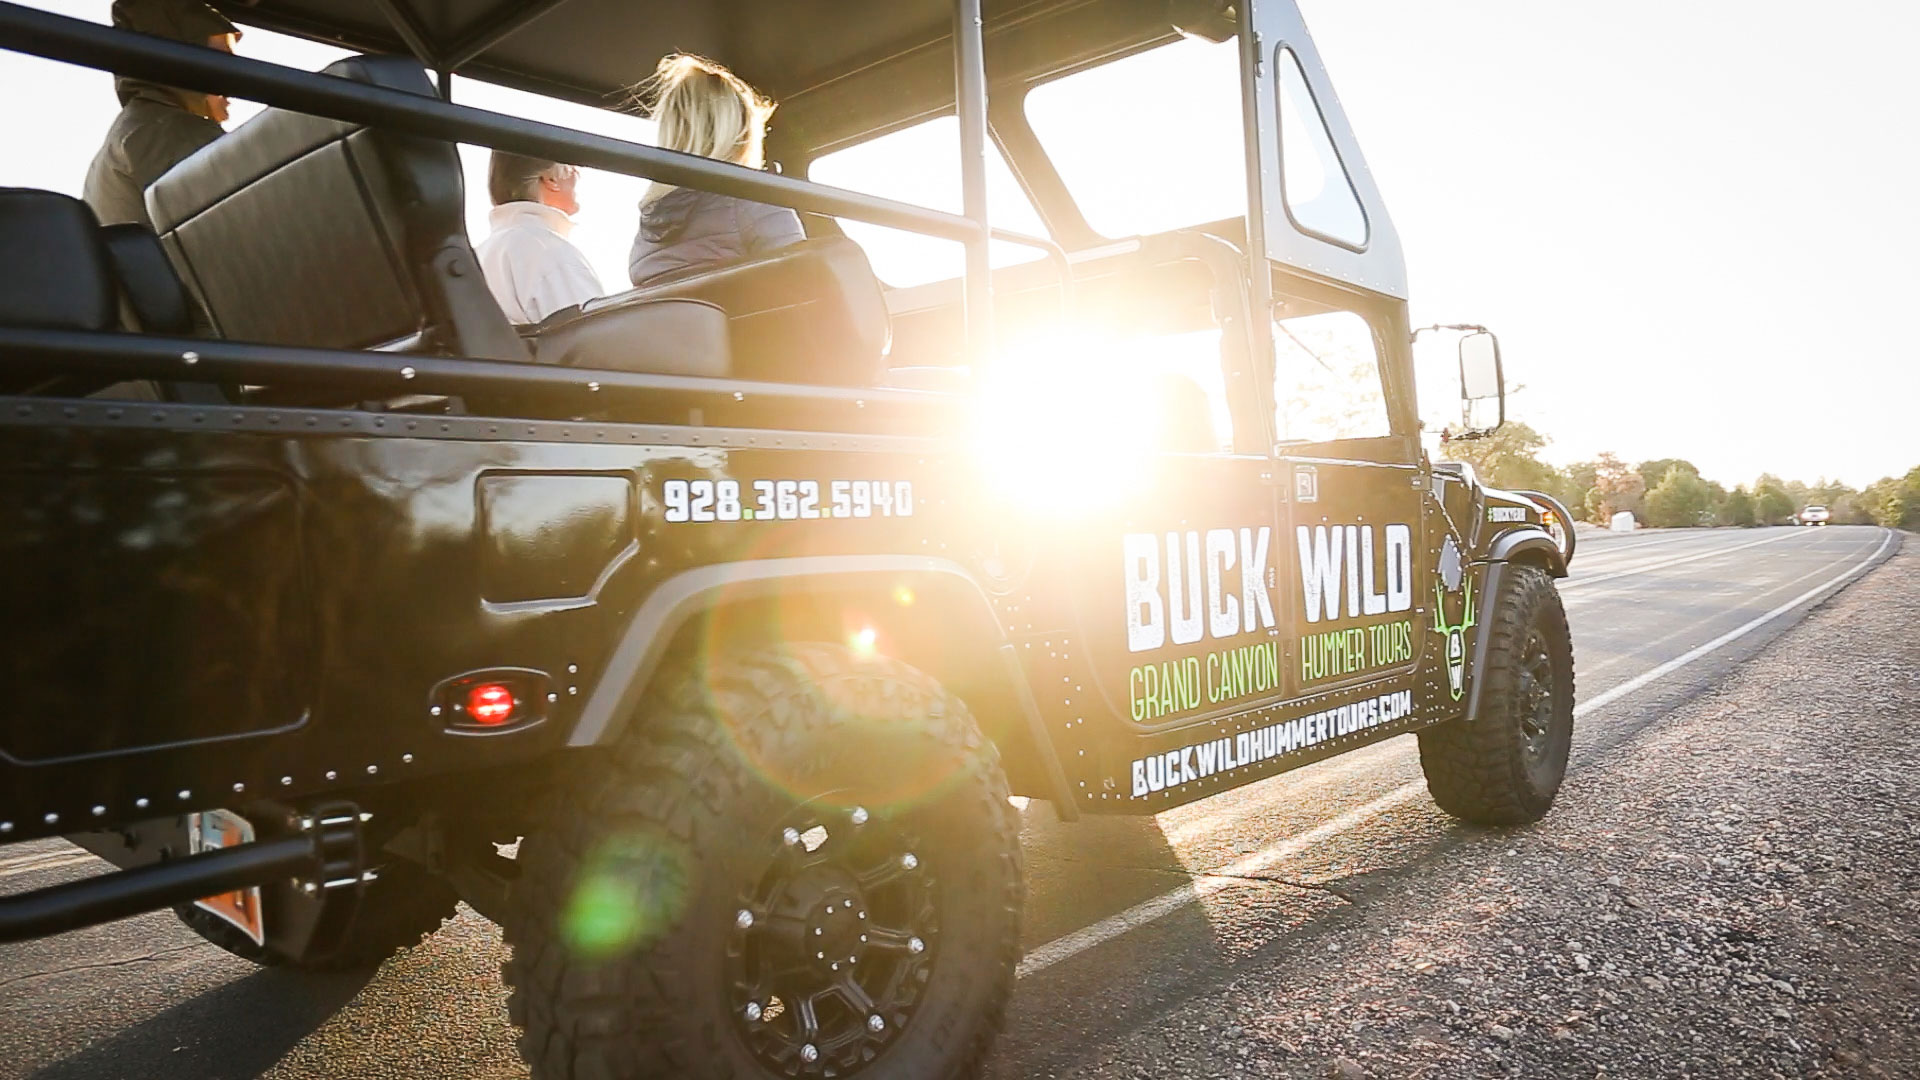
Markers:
1128,919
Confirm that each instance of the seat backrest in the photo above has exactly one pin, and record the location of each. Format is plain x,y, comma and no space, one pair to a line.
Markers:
298,230
55,273
810,313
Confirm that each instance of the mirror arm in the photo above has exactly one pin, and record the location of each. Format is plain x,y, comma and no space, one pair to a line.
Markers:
1467,328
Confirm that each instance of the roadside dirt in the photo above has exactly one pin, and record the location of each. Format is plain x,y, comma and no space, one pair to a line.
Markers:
1734,892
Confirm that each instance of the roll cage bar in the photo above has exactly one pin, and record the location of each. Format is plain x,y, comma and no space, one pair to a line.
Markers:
124,52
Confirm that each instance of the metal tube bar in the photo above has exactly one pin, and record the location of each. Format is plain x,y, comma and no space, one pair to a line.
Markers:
505,21
379,373
1259,329
173,63
970,105
1056,254
407,25
106,897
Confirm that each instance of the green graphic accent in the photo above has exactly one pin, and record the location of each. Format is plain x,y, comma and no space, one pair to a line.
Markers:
746,515
1455,636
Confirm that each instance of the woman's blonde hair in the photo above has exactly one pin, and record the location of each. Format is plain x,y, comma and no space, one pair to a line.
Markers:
702,108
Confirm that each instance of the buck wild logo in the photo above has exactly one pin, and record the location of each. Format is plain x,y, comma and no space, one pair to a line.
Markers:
1339,561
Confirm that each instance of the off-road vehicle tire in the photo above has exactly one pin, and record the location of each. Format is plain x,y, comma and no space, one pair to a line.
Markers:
399,909
631,953
1504,766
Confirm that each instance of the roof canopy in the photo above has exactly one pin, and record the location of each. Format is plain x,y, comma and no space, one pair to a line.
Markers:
836,66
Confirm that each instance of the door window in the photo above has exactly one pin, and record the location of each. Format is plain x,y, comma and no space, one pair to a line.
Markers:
1327,379
1319,195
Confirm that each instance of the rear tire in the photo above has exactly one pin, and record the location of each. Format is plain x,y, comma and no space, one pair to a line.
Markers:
678,898
399,909
1505,765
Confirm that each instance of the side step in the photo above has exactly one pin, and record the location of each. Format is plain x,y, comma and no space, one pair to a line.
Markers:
327,856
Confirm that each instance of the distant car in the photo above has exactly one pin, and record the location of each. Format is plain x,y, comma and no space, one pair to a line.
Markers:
1814,515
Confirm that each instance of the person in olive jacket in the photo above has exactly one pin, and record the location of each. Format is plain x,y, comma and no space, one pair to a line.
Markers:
158,126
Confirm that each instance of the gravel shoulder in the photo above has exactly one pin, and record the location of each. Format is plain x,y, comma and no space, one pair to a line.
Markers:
1732,892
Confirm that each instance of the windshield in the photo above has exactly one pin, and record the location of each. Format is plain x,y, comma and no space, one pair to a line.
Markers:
921,165
1149,143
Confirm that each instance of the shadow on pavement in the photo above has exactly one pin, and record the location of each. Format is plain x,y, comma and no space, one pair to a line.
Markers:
239,1030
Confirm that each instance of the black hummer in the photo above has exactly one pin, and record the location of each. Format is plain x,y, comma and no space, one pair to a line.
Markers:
741,603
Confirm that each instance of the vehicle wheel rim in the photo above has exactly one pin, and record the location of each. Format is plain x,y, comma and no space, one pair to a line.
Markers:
1536,696
832,948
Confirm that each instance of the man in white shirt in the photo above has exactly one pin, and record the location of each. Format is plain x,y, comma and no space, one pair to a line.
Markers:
531,266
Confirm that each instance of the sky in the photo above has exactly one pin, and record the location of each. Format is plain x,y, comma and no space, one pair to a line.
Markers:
1695,226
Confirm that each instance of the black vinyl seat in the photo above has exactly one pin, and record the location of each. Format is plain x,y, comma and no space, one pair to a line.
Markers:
60,270
810,313
297,230
55,271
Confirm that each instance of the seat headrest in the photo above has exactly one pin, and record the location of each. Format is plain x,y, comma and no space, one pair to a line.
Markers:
54,269
159,301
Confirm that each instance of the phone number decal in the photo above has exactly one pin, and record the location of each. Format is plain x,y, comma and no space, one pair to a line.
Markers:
785,500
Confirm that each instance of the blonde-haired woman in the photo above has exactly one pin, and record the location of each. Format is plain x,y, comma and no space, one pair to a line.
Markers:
702,108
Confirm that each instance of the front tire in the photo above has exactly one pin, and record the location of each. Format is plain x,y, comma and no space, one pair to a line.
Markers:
796,863
1505,765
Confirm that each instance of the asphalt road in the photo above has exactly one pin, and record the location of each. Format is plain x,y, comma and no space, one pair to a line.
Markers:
1129,921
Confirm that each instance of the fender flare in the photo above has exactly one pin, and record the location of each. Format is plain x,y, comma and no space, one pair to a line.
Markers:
1493,578
643,644
1526,541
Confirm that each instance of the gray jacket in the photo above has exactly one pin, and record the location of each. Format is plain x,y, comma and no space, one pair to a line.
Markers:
152,134
686,228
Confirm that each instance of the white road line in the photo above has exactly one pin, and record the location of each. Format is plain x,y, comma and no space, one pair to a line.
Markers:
1578,582
1593,549
47,864
1061,948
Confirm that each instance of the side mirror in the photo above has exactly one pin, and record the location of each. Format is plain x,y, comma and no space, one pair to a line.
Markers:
1483,390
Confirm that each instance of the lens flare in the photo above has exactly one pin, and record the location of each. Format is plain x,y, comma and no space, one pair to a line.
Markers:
632,890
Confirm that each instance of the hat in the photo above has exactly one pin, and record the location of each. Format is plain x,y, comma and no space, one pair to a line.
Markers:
179,20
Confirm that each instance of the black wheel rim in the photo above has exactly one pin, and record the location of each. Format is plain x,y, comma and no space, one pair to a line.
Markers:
831,949
1536,696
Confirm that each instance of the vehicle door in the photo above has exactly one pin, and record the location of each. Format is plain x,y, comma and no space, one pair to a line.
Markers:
1356,542
1177,583
1345,428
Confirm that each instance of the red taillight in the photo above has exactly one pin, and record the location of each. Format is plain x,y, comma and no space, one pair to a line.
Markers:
490,704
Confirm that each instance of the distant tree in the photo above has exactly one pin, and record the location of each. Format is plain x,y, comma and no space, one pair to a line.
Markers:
1894,501
1716,498
1652,472
1616,487
1771,504
1575,481
1509,458
1796,492
1679,500
1737,509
